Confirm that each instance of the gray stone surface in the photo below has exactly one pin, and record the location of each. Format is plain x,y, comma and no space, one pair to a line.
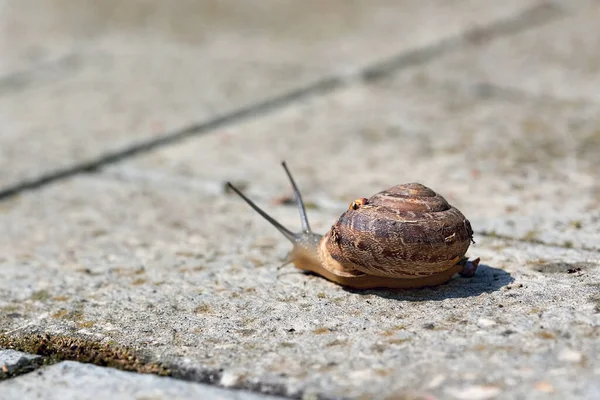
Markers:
15,362
505,161
71,380
150,265
191,280
79,80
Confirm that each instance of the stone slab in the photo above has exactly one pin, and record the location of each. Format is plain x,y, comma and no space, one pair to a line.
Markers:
70,380
518,167
189,280
79,80
15,362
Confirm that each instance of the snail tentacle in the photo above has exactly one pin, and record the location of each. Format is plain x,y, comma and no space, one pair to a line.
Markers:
298,197
285,231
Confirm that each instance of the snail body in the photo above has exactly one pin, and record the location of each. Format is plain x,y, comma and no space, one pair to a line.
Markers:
407,236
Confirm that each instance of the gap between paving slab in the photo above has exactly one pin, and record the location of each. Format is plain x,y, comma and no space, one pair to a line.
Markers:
36,350
538,14
557,60
85,381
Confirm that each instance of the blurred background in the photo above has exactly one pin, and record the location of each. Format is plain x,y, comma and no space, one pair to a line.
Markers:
467,96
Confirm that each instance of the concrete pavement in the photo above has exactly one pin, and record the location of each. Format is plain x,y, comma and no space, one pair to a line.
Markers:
122,248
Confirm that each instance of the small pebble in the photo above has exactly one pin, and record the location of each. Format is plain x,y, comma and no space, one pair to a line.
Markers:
544,387
485,323
475,392
436,381
229,379
571,356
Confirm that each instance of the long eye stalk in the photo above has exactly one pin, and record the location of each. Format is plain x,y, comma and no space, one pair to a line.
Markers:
301,208
286,232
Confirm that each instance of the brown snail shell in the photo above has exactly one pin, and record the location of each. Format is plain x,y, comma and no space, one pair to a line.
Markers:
407,236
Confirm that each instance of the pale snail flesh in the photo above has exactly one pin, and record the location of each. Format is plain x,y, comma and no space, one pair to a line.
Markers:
407,236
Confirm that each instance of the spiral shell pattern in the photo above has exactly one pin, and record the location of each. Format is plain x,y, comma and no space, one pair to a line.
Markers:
407,231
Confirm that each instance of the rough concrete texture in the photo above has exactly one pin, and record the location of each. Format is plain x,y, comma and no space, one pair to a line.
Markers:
191,281
69,380
126,72
151,259
15,362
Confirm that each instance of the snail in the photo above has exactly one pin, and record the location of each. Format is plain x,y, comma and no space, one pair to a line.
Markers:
407,236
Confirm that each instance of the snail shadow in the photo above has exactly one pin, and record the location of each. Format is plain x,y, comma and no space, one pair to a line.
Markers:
487,279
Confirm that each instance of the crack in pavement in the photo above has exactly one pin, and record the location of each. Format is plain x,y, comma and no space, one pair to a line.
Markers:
564,245
531,17
57,348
